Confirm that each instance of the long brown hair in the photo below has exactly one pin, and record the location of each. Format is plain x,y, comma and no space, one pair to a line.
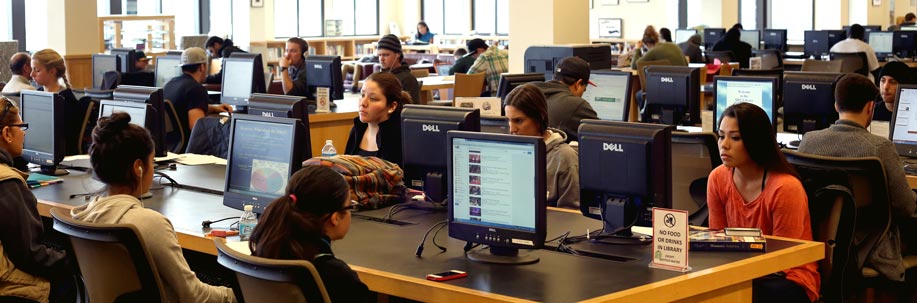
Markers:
528,99
759,138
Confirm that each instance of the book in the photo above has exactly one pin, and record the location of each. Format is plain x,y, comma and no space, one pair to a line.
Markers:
717,240
39,180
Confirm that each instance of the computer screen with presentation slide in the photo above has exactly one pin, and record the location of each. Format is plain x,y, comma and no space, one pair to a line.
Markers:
903,129
611,95
755,90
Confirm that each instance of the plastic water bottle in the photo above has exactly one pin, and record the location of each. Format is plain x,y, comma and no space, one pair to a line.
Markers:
247,223
328,150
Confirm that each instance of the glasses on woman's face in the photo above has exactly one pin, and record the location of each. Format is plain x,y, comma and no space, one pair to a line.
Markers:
351,206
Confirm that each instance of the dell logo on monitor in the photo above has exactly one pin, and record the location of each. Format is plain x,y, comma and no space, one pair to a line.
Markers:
808,87
668,79
267,114
317,66
431,128
615,147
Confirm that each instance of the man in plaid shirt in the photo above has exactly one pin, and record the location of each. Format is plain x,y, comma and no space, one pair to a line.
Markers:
492,63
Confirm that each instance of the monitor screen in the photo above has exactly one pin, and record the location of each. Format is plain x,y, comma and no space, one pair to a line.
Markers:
494,124
325,71
881,42
510,81
910,28
759,91
136,110
167,67
904,43
611,95
44,141
712,35
155,119
903,131
682,35
752,37
128,58
101,64
263,153
775,39
237,81
498,191
672,95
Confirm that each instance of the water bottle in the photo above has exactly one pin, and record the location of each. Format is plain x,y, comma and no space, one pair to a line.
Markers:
329,150
247,223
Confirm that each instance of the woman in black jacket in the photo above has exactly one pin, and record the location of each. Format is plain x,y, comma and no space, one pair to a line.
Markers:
377,130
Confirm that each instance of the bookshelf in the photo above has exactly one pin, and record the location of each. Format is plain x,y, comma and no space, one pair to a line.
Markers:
349,48
155,32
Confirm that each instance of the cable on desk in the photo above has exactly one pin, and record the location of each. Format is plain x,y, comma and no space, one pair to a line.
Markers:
188,187
206,223
420,247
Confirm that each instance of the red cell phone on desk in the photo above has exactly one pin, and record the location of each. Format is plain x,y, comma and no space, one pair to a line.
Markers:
447,275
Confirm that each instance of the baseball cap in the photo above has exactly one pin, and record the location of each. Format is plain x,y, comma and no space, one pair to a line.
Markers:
193,55
141,56
574,67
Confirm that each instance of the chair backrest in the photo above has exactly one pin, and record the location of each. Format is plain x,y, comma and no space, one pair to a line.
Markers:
420,73
468,85
173,124
641,69
770,58
270,280
724,56
852,62
851,228
114,262
694,156
90,116
810,65
110,80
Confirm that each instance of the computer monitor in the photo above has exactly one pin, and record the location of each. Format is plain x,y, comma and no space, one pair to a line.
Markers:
866,28
154,124
910,28
640,157
498,191
752,37
259,85
101,64
325,71
610,98
424,153
882,43
263,153
239,78
45,141
818,43
283,106
712,35
128,59
682,35
672,95
760,91
903,127
904,43
808,101
142,114
494,124
510,81
775,39
167,67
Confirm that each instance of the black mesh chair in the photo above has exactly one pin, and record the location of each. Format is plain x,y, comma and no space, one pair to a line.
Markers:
724,56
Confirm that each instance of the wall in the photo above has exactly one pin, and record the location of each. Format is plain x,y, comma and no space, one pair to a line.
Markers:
636,16
902,7
553,27
878,15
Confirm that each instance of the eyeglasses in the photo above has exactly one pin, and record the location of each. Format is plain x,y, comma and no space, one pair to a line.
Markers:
353,206
23,126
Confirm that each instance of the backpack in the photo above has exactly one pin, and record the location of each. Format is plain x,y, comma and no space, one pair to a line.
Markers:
374,182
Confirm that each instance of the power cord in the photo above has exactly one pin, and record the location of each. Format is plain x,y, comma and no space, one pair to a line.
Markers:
420,247
206,223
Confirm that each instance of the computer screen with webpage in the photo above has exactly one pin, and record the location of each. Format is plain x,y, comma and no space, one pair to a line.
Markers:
610,95
903,128
881,42
755,90
167,67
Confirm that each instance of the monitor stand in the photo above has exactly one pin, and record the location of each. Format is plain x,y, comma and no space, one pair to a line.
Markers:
624,237
52,170
501,255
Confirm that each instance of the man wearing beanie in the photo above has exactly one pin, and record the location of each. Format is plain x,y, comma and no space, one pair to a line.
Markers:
476,47
566,107
848,137
389,51
492,62
890,76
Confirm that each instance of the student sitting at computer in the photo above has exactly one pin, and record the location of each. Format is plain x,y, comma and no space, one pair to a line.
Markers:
732,41
423,33
892,74
377,129
476,47
21,68
122,158
566,106
756,187
391,58
187,94
48,71
848,137
493,62
658,50
26,264
691,49
300,225
854,43
665,35
293,67
527,112
219,48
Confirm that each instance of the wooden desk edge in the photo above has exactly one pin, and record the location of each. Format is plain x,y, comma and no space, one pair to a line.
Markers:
424,290
912,181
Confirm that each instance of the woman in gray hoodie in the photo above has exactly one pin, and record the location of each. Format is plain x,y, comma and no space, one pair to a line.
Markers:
122,157
527,112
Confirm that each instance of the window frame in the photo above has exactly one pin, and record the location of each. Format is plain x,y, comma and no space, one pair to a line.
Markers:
321,21
423,16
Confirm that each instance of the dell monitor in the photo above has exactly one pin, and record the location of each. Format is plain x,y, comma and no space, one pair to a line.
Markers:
259,85
494,124
498,191
752,37
882,43
672,95
167,67
682,35
325,71
44,142
903,127
904,43
775,39
128,60
239,78
153,97
712,35
508,82
283,106
425,158
818,43
868,29
610,98
808,101
101,64
263,153
640,155
760,91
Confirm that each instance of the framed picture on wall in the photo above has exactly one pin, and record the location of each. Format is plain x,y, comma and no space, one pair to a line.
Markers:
257,3
610,27
876,2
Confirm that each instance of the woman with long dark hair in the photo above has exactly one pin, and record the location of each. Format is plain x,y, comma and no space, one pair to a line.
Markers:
377,129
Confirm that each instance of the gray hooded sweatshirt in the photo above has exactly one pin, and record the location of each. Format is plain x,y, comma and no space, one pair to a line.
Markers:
562,171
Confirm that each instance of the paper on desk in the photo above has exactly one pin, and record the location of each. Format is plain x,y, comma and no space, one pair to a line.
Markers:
169,156
240,246
643,230
879,128
195,159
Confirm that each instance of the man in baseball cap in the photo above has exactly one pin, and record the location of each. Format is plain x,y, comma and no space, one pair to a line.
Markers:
390,57
187,94
566,106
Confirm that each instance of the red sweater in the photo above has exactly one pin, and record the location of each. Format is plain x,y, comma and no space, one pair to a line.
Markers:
781,209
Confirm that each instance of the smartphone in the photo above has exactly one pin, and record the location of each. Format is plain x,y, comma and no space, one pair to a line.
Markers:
447,275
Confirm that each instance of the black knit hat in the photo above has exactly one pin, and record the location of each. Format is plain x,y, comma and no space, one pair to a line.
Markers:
390,42
896,70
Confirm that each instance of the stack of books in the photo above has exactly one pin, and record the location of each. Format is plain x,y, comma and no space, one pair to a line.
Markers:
731,239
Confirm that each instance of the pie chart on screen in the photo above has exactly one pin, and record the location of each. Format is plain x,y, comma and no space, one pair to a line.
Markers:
268,176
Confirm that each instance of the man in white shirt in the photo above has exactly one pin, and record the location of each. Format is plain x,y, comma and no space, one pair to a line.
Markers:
21,66
854,44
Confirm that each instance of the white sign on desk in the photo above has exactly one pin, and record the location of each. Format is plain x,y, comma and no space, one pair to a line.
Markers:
322,95
489,106
670,239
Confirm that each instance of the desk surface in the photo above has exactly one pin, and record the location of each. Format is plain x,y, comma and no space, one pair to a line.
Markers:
383,254
437,82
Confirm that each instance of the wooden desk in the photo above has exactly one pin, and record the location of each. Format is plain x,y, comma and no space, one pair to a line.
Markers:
335,125
437,82
912,181
383,256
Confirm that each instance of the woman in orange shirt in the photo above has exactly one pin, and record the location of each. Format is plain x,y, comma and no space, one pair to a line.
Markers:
756,187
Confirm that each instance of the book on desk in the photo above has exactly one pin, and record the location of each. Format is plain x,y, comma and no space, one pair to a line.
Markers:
717,240
39,180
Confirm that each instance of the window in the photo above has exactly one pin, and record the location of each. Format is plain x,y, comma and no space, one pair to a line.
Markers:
186,15
6,29
221,18
36,26
491,17
358,17
748,14
297,18
793,15
449,17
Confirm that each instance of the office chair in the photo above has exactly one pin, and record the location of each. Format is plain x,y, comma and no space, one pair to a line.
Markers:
173,124
270,280
210,136
847,197
90,117
724,56
114,262
694,156
852,62
833,66
466,85
770,58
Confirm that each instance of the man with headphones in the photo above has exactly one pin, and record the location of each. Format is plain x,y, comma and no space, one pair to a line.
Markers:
293,68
